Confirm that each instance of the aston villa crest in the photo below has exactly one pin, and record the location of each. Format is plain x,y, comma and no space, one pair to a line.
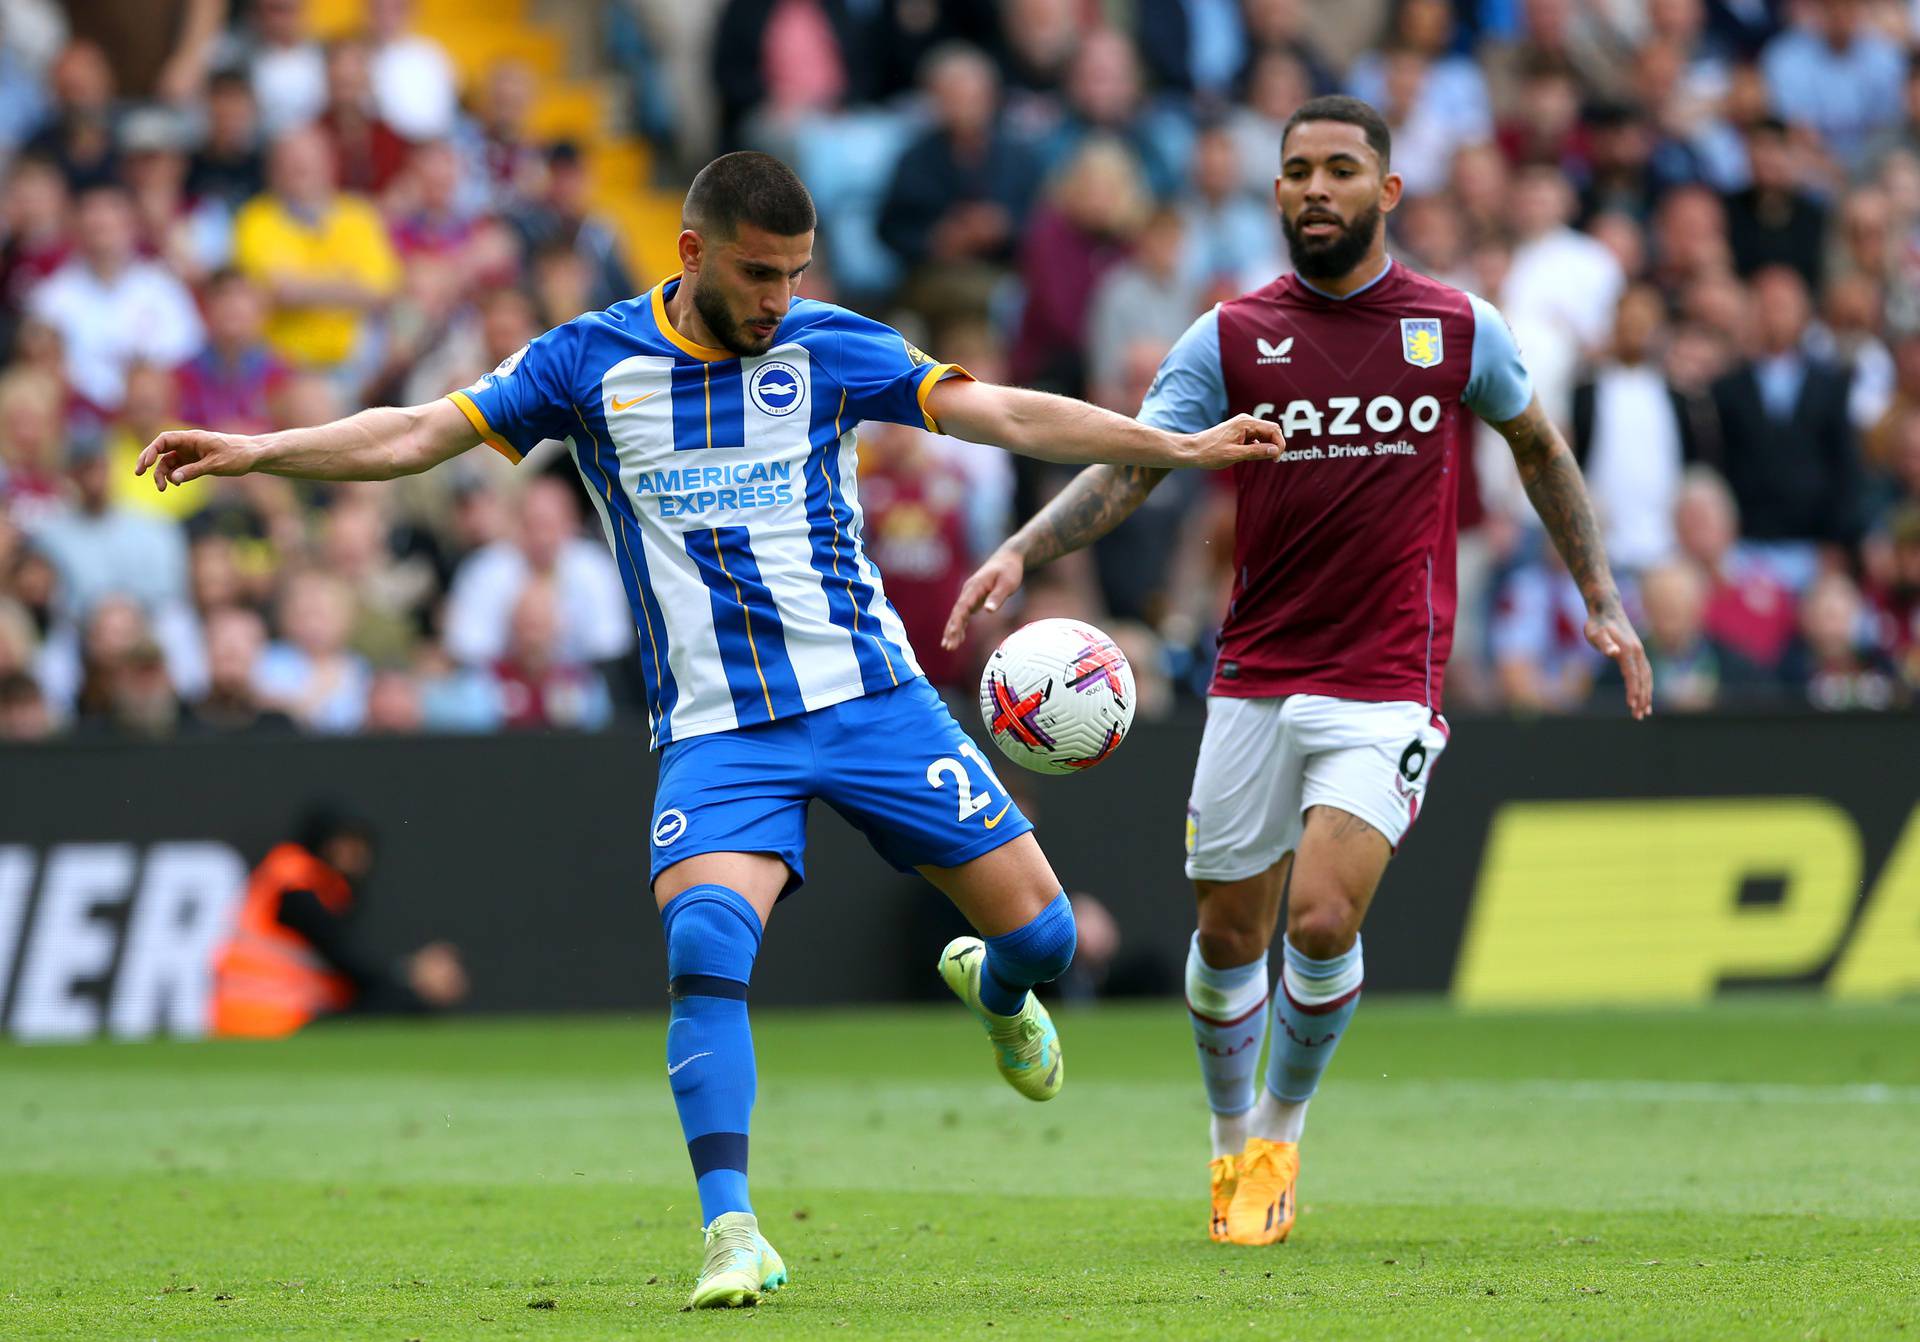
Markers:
1420,341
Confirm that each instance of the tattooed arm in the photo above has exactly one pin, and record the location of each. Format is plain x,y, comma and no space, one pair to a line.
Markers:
1559,495
1094,502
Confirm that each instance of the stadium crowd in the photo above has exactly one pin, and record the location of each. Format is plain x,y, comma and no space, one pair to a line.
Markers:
1701,218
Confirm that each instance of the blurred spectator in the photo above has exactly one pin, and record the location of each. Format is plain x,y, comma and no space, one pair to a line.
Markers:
1833,73
776,60
1231,240
1897,599
1038,41
1831,665
158,49
1452,103
1693,672
23,99
503,162
1629,435
1559,278
435,228
1848,335
1787,439
230,384
960,192
1092,213
1773,222
1543,126
230,166
78,132
1541,658
310,674
368,153
141,702
1286,27
24,715
1193,47
454,698
37,229
916,528
112,308
146,412
595,624
539,689
394,705
1902,137
1106,100
1277,84
32,447
189,237
323,258
413,82
289,70
561,218
101,548
236,640
1150,297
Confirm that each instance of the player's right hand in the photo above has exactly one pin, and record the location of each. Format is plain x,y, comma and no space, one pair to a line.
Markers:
1242,438
180,455
989,587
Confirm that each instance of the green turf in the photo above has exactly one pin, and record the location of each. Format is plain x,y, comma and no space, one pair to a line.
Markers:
1751,1171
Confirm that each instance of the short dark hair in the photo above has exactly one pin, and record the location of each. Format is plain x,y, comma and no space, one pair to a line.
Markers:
1339,107
748,188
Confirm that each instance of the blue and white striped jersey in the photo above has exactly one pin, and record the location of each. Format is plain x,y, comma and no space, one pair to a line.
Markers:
727,490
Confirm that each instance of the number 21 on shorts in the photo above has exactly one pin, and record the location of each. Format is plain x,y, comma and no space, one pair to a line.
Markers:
971,805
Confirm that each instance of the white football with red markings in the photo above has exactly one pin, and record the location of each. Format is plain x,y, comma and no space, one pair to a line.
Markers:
1057,696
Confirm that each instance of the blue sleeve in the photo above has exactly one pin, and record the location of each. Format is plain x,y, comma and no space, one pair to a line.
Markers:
528,398
883,376
1189,393
1498,384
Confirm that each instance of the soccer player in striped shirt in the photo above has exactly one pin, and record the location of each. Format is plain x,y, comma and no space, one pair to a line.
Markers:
713,421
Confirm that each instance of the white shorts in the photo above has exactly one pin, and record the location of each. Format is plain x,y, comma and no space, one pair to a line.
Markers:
1263,762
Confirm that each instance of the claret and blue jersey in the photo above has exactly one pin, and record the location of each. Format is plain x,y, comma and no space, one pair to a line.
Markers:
727,490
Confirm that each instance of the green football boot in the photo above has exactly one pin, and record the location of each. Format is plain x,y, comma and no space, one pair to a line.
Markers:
741,1266
1026,1047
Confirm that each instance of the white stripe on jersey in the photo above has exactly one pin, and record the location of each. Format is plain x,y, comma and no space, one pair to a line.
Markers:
890,626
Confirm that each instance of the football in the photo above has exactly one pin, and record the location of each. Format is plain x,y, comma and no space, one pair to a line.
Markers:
1057,696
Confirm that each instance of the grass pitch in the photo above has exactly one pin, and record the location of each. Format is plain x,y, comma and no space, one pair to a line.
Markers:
1749,1171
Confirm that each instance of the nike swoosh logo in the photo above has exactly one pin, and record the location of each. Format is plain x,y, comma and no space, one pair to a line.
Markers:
674,1067
615,403
996,819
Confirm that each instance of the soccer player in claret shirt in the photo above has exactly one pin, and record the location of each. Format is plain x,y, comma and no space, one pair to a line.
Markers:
1323,720
713,421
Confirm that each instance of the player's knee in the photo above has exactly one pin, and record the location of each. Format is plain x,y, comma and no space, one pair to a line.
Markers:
711,931
1233,931
1041,951
1323,929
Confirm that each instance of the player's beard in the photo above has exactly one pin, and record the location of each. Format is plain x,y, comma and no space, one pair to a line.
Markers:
733,336
1330,258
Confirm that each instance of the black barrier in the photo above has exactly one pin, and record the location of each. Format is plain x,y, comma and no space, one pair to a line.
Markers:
1557,860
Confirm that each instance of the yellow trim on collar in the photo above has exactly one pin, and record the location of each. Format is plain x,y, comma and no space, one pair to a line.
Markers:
680,342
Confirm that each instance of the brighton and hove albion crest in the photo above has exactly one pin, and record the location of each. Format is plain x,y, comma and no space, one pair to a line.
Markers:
776,388
1420,341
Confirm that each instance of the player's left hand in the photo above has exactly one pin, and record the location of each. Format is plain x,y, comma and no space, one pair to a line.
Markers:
1242,438
1611,633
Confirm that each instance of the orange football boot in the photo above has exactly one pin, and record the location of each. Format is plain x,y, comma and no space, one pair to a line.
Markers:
1224,1173
1261,1211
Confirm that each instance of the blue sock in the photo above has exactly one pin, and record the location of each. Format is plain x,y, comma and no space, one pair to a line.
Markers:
712,937
1037,953
1310,1012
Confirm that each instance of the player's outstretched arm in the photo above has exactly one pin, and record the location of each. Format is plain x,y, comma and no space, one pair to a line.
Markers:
378,444
1559,495
1058,428
1094,502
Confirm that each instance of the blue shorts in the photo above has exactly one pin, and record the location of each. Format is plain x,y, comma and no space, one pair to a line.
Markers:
895,764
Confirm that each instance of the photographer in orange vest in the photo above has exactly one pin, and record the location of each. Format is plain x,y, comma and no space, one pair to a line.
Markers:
293,956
